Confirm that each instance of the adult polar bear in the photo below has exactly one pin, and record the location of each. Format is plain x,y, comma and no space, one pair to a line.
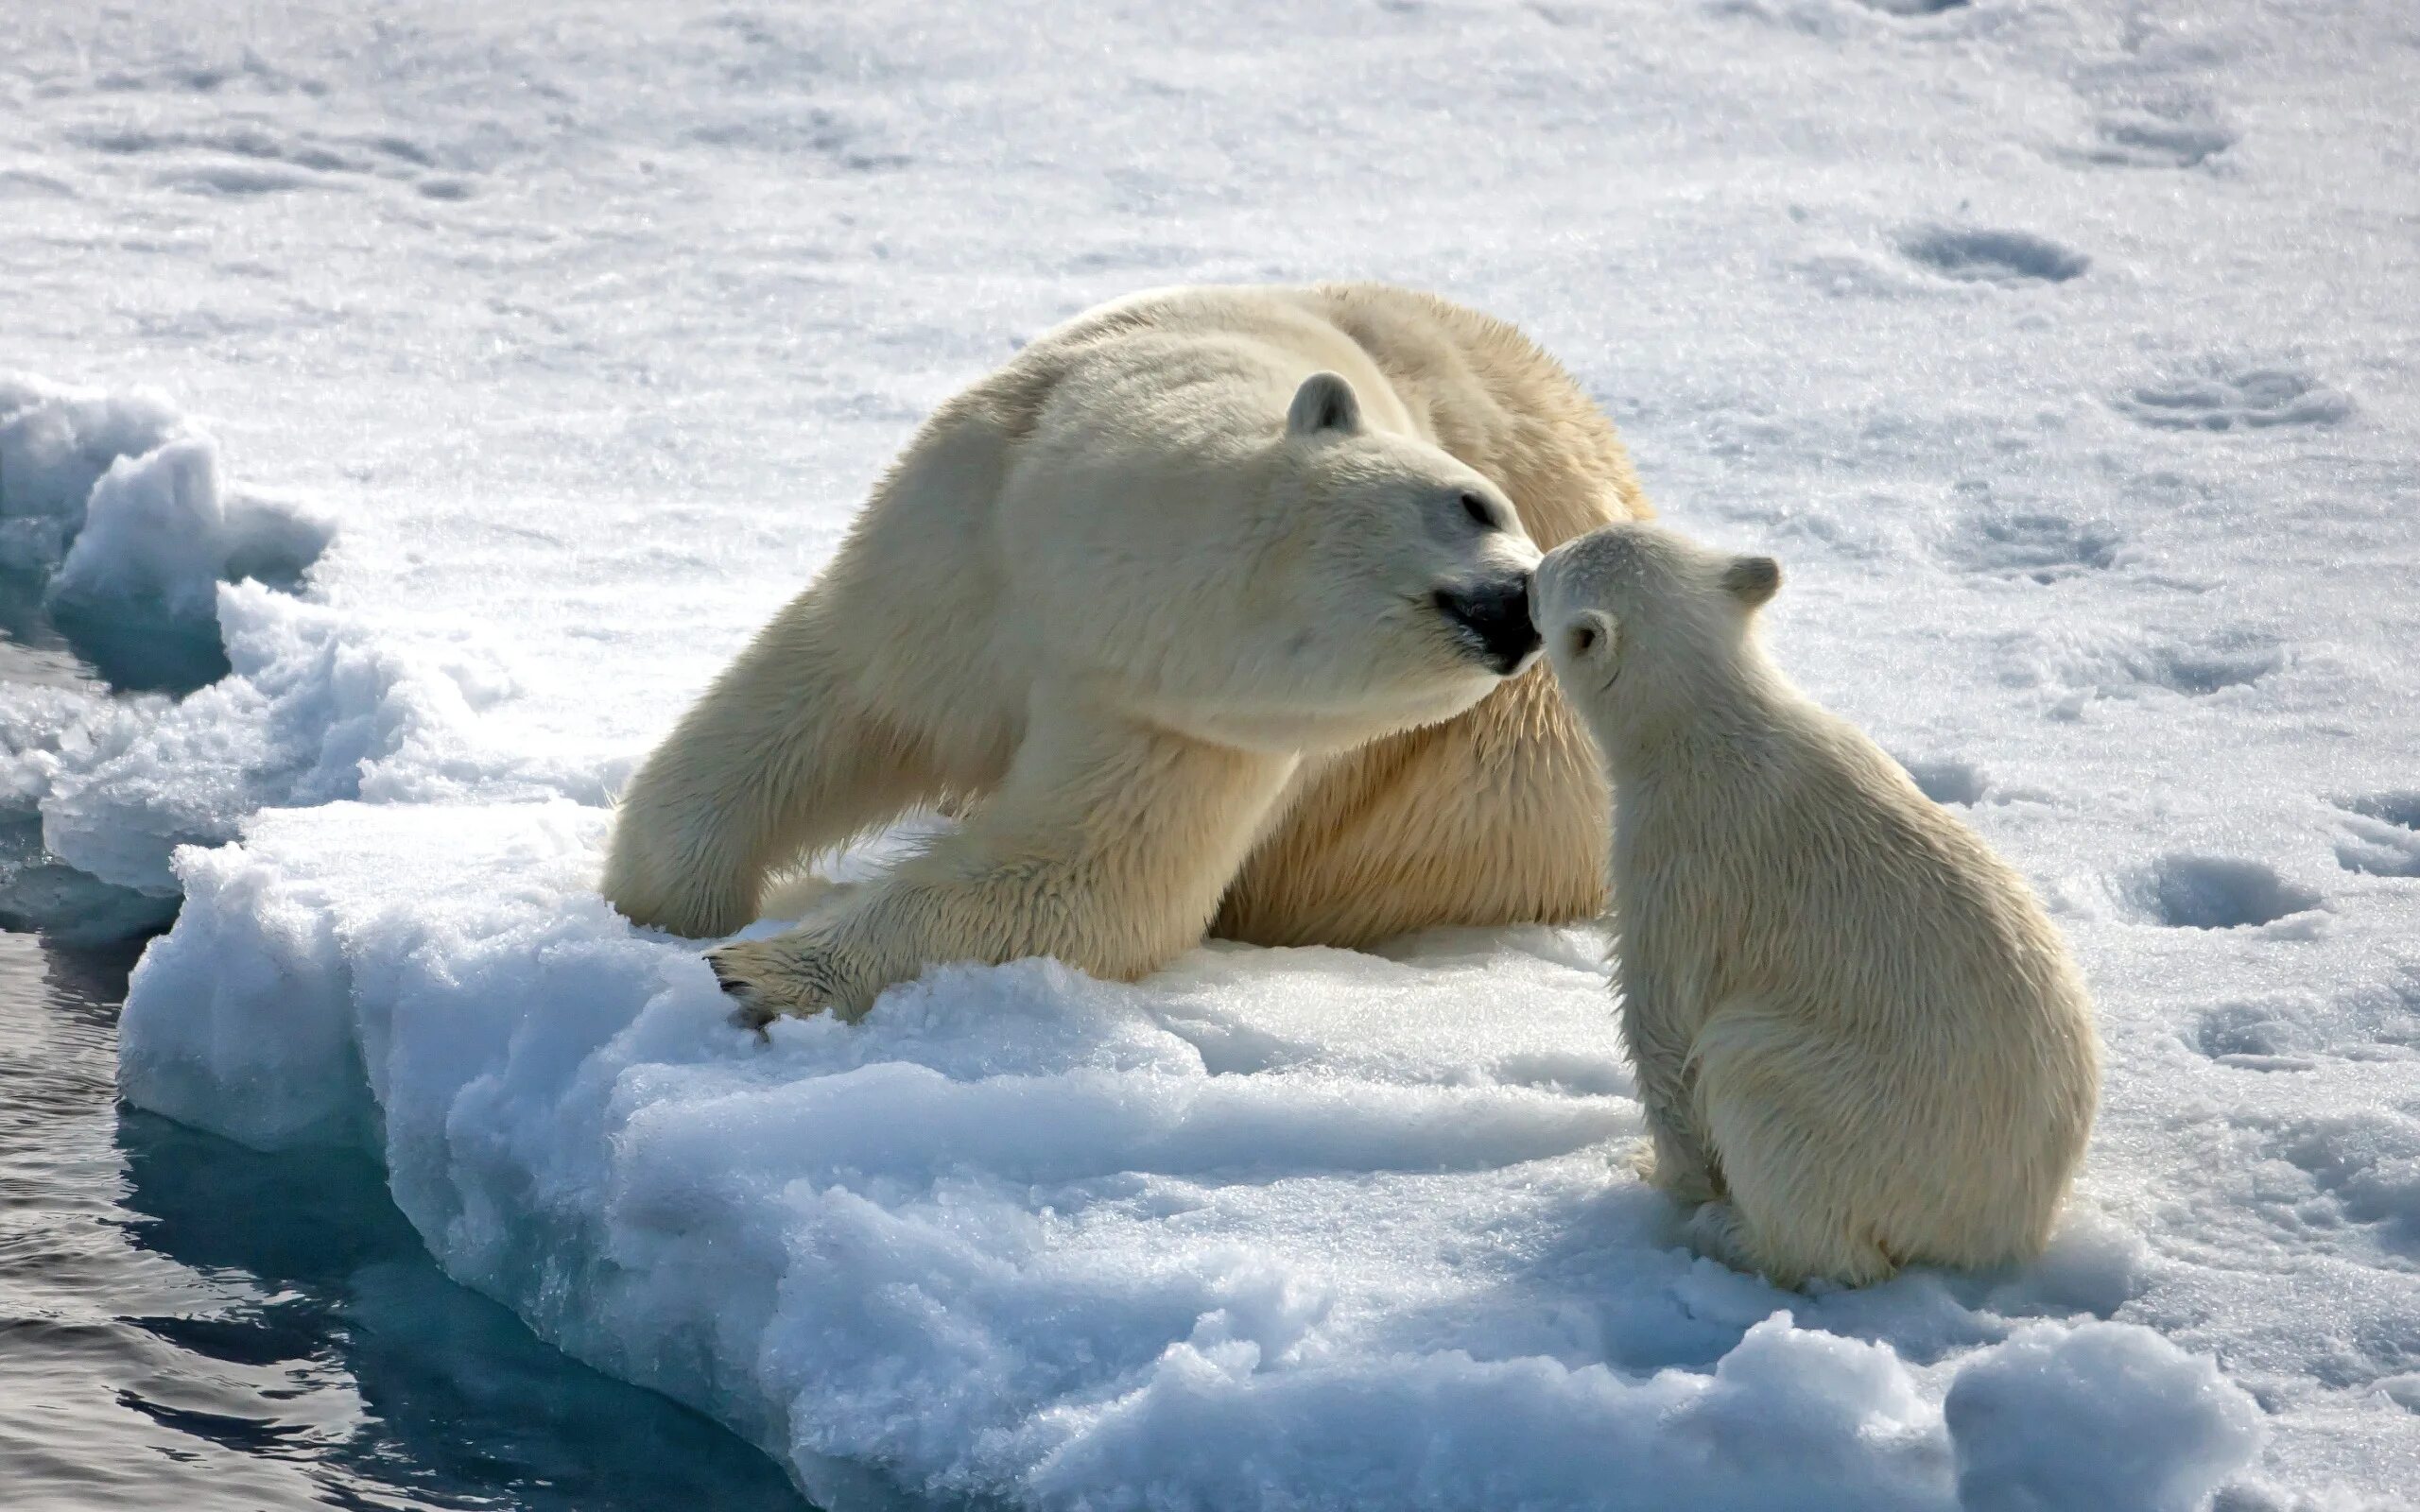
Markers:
1200,611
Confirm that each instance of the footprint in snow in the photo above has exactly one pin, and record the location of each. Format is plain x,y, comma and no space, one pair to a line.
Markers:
2185,891
2384,839
2146,139
1979,254
2223,397
2301,1030
2081,667
1946,780
1955,782
256,159
2042,544
2268,1034
2359,1174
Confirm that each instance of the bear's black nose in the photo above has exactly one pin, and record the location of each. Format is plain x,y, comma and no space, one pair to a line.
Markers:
1493,618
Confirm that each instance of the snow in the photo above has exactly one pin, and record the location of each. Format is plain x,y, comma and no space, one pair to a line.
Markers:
1025,1233
120,504
156,532
2169,1427
2061,353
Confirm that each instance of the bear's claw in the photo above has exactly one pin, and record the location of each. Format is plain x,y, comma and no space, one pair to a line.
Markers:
749,1011
773,977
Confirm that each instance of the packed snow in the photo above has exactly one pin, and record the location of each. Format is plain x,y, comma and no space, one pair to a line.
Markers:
476,378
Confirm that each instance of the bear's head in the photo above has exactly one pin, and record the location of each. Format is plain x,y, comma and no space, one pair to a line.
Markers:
1398,593
1645,627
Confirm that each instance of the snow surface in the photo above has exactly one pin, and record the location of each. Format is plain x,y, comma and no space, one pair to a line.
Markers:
2065,354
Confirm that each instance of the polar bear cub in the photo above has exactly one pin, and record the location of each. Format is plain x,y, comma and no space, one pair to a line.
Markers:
1848,1017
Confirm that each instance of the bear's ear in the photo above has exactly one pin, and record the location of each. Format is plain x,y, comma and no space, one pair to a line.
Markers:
1751,580
1324,402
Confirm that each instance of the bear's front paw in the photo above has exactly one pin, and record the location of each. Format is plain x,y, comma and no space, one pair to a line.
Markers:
782,975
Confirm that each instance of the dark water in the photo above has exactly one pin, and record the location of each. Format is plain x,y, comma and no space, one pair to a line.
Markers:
189,1325
129,650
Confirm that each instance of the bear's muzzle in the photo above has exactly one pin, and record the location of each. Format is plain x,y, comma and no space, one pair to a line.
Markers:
1494,619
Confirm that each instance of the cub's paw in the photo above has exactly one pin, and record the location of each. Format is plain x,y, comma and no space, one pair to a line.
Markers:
1686,1181
782,975
1714,1232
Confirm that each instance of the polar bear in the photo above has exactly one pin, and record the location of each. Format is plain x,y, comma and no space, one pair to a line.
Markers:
1207,609
1845,1013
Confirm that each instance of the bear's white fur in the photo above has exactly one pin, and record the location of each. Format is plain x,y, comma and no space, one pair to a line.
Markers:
1847,1016
1186,611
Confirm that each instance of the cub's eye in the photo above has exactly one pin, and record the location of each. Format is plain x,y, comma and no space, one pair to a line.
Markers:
1581,638
1477,509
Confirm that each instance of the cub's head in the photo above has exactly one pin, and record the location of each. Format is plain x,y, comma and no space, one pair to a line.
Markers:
1643,625
1410,571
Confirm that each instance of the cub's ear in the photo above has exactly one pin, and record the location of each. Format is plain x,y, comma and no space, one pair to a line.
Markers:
1751,580
1324,402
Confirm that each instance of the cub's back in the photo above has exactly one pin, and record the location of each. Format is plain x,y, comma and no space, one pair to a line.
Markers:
1812,858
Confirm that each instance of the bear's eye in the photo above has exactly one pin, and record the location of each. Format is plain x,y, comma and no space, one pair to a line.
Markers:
1477,509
